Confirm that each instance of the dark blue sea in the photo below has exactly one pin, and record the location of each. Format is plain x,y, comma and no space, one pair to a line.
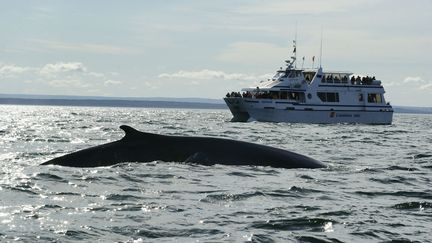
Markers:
377,186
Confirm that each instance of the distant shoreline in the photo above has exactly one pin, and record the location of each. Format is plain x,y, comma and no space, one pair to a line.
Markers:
156,102
110,103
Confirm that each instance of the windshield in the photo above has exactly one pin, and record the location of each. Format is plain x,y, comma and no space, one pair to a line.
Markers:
278,75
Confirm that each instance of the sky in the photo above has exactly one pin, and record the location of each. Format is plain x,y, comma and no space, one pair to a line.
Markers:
203,48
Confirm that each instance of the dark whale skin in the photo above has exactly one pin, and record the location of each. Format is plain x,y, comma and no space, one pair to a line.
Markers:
143,147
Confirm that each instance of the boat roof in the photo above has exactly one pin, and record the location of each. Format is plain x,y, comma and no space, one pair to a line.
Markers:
338,72
314,70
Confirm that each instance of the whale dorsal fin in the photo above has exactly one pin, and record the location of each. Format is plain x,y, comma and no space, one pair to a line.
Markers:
131,132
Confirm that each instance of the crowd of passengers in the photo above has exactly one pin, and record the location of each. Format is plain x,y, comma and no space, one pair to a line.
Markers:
262,95
354,80
246,94
364,80
233,94
335,79
329,79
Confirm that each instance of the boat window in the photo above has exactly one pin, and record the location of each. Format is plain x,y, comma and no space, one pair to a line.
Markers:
374,98
292,75
274,95
308,76
331,97
297,96
278,75
328,96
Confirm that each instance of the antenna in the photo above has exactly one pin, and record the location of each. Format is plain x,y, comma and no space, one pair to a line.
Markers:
321,46
295,46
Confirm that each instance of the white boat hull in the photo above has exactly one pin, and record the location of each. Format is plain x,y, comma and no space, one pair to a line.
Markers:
244,109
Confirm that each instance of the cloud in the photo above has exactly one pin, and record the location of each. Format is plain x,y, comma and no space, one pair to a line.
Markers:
301,7
419,83
60,77
74,75
62,67
206,74
426,87
414,80
69,83
112,82
12,70
150,85
85,47
95,74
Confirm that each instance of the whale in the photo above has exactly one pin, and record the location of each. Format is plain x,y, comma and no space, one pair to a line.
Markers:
137,146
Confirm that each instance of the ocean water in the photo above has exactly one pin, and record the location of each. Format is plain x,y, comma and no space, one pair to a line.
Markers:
376,188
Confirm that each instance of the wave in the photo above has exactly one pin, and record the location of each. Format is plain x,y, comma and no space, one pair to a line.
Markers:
150,232
421,156
413,205
296,224
122,197
417,194
49,177
394,180
230,197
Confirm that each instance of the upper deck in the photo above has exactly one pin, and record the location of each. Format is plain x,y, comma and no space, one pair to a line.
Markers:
307,79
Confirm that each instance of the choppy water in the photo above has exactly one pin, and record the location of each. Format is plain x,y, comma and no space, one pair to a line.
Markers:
377,186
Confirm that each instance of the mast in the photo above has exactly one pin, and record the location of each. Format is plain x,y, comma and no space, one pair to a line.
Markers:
321,46
293,64
295,47
294,57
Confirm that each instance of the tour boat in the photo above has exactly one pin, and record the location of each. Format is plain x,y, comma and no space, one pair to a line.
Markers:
298,95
